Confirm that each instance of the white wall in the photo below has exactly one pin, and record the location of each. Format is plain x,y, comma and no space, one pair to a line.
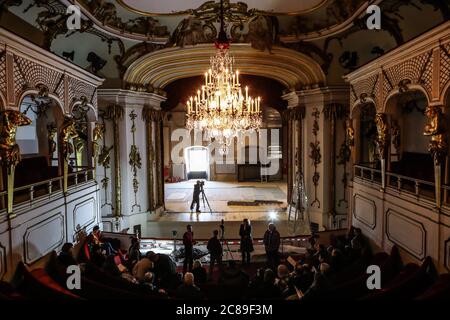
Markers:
46,225
412,224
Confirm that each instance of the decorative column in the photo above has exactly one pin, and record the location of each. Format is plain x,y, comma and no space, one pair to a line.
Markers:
148,116
289,160
438,146
134,178
10,157
115,112
333,112
324,108
159,164
382,143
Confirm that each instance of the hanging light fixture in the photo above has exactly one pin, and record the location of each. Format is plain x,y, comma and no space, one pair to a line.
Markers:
221,108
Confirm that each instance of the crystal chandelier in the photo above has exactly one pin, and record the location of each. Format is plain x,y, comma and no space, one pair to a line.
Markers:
221,109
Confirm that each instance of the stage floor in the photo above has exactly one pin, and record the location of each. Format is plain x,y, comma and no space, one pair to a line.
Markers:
179,196
177,214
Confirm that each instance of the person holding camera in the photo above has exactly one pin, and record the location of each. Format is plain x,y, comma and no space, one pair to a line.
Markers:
245,232
196,197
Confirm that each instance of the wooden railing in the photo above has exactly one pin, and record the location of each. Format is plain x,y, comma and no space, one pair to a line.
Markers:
419,188
46,188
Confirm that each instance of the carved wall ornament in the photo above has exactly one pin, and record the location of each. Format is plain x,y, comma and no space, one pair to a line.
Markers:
97,136
134,159
315,155
10,120
403,85
9,149
51,135
262,32
395,136
349,133
382,135
436,128
344,155
104,157
68,132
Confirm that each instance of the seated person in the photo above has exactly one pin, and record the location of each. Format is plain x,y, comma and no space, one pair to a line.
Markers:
283,280
164,269
96,238
113,267
65,257
233,276
97,256
134,253
199,272
320,284
142,267
268,290
303,277
188,290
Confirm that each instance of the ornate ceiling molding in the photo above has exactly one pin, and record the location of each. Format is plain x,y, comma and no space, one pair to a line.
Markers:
187,11
292,69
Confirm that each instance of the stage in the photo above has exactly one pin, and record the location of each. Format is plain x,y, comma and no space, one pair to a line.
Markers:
272,207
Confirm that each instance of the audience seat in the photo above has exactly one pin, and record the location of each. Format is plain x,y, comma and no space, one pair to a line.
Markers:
440,290
37,284
100,288
412,281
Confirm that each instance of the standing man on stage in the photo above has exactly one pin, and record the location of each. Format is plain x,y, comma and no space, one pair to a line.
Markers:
196,197
215,252
245,232
272,244
188,242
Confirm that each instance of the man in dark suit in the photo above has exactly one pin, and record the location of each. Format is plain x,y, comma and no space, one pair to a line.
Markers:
196,197
272,244
215,251
188,242
245,232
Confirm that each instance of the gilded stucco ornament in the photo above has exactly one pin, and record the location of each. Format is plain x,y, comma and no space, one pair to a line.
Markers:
97,135
382,134
349,133
51,134
436,128
10,120
9,149
68,132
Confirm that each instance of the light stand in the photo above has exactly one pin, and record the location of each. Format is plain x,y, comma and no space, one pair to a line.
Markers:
222,240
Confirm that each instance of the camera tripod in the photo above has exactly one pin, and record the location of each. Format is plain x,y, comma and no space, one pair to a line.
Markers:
223,240
205,199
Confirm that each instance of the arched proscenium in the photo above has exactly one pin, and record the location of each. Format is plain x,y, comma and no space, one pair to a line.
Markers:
291,68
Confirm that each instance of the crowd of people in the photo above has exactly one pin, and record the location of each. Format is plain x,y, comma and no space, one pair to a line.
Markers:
158,273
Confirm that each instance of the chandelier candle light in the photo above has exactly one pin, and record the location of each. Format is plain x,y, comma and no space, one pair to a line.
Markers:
220,108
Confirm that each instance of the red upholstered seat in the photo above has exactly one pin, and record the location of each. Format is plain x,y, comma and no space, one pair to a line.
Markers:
37,284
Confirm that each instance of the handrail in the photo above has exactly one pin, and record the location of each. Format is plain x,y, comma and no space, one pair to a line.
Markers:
58,178
79,177
392,174
398,178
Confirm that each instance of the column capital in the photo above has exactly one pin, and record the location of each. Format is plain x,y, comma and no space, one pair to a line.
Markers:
322,96
128,98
